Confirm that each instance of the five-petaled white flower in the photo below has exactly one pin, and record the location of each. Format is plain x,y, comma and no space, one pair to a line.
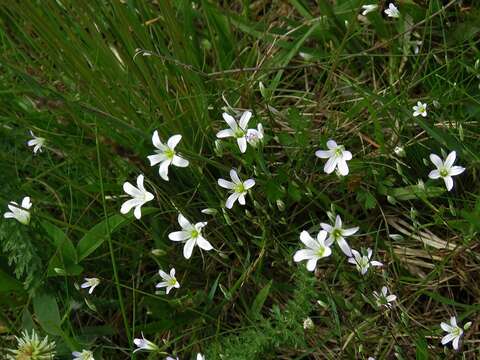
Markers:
420,109
338,234
191,234
169,282
316,249
368,9
363,262
91,283
20,213
445,169
255,136
84,355
36,142
337,158
166,155
144,344
382,299
200,356
392,11
238,188
238,131
140,197
454,331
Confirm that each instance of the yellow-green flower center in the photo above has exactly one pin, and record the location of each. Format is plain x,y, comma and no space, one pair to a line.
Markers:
194,233
239,188
169,153
172,282
320,251
443,172
239,133
336,233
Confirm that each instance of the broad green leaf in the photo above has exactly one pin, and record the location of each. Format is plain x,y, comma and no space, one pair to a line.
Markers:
47,313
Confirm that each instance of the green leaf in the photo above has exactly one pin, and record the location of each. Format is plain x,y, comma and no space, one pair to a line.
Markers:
47,313
422,349
9,284
98,234
65,257
259,301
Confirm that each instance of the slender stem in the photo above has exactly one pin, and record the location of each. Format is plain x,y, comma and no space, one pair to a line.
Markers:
109,239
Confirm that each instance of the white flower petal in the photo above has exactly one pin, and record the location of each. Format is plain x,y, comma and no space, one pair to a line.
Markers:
450,159
323,154
456,170
179,161
312,264
231,200
435,159
173,141
241,199
234,176
128,205
303,254
156,140
226,184
188,248
344,246
249,183
331,144
245,118
156,159
230,121
163,169
183,222
448,182
330,165
342,167
434,174
242,144
204,243
225,133
179,236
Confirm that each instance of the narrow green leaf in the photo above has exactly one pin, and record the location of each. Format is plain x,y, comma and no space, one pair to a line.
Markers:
260,300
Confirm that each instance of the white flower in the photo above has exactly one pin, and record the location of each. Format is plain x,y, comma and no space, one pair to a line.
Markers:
170,358
200,356
191,234
337,158
308,324
454,331
238,131
255,136
316,249
238,188
144,344
420,109
445,169
392,11
20,213
84,355
169,282
36,142
368,9
382,299
91,283
338,234
140,197
166,155
363,262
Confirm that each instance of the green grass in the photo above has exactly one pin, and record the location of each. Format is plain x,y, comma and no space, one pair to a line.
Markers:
69,73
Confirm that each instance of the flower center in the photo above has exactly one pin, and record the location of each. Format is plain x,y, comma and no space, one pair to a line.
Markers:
320,251
194,233
338,152
443,172
336,233
239,188
172,282
169,153
457,331
239,133
363,263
